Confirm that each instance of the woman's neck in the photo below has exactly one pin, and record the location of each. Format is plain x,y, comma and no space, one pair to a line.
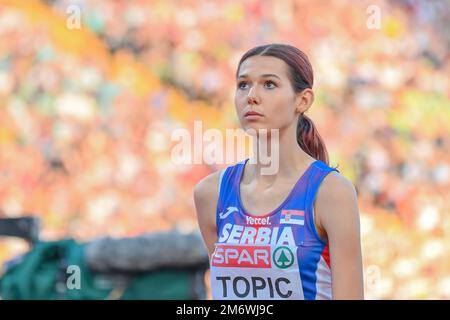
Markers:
284,154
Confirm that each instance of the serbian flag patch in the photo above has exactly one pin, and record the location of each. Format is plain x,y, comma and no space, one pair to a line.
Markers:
292,217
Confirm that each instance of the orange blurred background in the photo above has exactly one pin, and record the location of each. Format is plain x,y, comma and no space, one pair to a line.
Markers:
87,113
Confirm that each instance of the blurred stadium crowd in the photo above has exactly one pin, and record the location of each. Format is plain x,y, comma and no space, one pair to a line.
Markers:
86,116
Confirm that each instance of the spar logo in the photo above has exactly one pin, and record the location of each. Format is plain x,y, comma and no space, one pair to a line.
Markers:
283,257
241,256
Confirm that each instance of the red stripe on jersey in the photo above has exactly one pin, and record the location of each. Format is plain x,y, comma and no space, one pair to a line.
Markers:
326,256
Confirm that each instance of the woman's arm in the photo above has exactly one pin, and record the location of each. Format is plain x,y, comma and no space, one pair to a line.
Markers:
206,194
338,215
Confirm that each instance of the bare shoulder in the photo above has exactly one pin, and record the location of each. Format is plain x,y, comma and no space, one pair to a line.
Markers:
207,189
335,186
206,194
336,203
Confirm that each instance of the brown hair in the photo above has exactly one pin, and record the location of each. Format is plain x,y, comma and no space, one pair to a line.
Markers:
301,76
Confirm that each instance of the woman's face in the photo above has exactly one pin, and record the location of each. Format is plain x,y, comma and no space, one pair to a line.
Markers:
264,96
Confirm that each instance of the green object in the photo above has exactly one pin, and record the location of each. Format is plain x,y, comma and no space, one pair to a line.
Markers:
58,270
34,276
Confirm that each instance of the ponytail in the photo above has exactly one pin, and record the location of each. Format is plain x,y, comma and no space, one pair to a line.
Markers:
309,139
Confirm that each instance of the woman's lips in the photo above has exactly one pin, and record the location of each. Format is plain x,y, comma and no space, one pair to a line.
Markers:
252,115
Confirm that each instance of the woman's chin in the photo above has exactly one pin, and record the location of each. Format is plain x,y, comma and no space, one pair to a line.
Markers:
254,129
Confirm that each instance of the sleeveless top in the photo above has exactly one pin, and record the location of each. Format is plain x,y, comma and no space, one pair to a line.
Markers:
275,256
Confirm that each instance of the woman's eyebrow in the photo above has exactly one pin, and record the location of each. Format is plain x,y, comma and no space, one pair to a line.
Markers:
265,75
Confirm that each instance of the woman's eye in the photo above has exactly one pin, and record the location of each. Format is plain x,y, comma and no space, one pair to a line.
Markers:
270,84
273,84
240,84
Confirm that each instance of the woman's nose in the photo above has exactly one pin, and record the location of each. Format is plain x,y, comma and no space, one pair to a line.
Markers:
252,98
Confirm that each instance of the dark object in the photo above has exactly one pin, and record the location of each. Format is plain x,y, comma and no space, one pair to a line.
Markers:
26,228
147,252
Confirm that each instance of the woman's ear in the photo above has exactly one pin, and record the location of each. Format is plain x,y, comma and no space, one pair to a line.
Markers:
304,100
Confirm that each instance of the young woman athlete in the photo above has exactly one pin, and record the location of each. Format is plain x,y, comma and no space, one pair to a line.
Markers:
289,235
